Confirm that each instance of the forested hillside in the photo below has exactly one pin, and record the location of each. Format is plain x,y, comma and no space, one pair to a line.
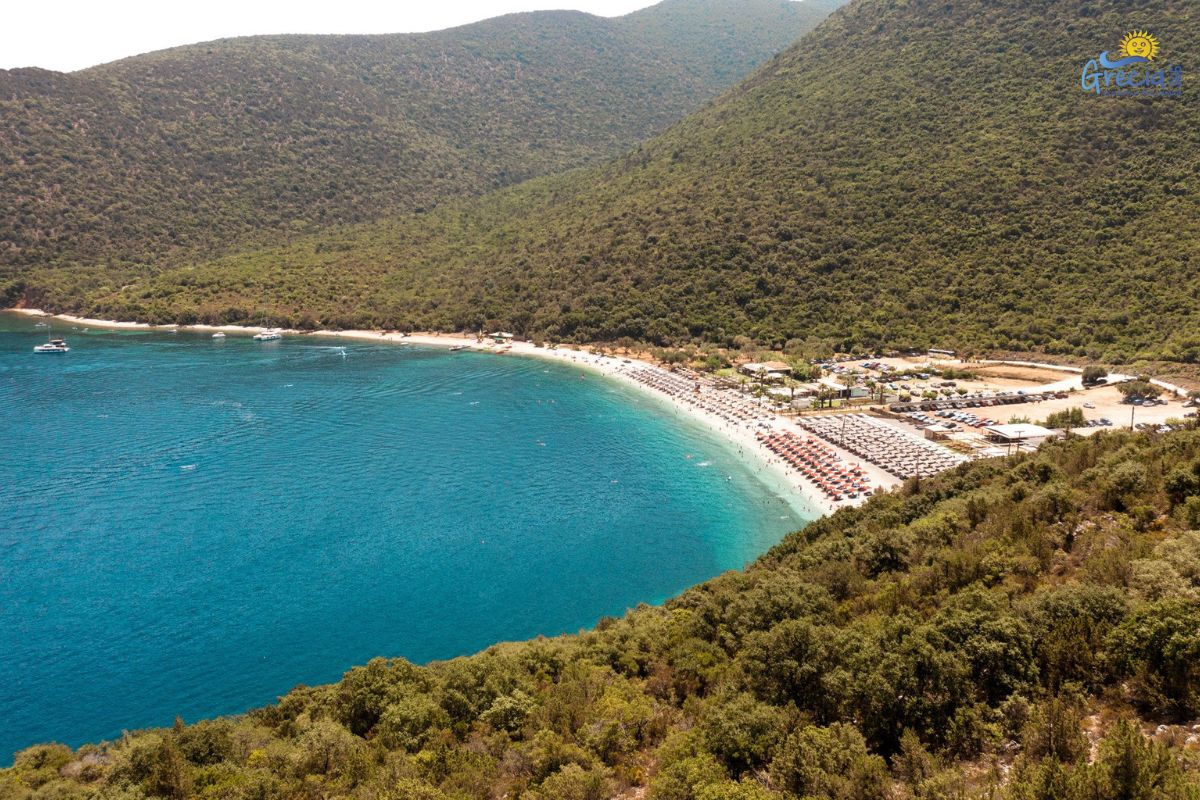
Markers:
910,173
193,149
1010,629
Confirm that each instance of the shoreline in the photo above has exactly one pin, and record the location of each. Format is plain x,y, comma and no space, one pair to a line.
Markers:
803,498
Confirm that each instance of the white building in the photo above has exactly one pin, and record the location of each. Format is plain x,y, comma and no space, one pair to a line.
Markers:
1019,432
767,370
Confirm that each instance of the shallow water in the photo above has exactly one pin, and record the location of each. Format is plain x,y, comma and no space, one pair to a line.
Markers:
191,526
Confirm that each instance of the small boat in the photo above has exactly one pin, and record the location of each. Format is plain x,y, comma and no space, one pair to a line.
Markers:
458,347
218,335
52,346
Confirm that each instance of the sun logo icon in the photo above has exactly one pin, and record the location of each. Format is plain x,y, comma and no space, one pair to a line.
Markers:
1140,44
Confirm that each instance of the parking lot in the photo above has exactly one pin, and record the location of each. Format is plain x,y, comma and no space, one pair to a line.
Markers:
1102,407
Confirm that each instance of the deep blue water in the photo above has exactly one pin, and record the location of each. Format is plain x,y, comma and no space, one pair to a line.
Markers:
194,527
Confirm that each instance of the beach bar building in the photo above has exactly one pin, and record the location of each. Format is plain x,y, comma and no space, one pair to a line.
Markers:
767,370
1017,433
937,433
842,392
501,337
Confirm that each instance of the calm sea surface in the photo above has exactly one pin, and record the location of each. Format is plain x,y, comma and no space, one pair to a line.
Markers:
193,527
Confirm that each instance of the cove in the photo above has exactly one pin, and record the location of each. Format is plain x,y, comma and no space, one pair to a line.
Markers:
193,527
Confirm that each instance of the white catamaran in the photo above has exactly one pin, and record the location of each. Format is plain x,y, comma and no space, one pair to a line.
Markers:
52,345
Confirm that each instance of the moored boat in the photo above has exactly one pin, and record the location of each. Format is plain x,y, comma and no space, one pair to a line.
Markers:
52,346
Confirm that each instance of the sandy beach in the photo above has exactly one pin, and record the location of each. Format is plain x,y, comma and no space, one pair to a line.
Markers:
802,495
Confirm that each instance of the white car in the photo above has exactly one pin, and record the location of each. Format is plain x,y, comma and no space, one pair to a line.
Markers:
1089,405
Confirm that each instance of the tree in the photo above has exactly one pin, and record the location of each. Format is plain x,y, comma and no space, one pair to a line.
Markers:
742,732
787,664
683,779
913,764
1055,731
1093,375
1139,389
830,762
1042,780
409,722
170,775
412,789
728,790
573,782
1070,624
327,748
1181,484
1129,767
1158,648
1069,418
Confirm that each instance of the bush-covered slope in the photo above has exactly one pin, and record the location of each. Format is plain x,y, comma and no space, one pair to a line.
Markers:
1003,631
912,172
724,42
193,148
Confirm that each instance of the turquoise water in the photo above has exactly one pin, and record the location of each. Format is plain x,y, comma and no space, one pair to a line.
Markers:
194,527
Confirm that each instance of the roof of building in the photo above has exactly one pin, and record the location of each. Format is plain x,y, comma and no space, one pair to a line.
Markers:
1020,431
768,366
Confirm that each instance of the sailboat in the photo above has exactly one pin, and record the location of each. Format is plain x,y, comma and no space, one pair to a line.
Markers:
268,334
52,345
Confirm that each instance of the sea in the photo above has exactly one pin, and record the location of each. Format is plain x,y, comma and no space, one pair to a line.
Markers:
192,527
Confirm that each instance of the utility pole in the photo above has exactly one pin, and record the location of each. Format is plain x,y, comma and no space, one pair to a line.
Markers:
1132,411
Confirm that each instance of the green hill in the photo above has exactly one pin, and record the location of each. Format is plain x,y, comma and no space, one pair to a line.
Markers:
910,173
1005,631
192,149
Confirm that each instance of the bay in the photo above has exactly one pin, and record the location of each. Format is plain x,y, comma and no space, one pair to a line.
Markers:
192,526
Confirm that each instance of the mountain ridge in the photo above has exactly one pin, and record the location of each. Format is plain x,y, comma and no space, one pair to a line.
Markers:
907,175
195,149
